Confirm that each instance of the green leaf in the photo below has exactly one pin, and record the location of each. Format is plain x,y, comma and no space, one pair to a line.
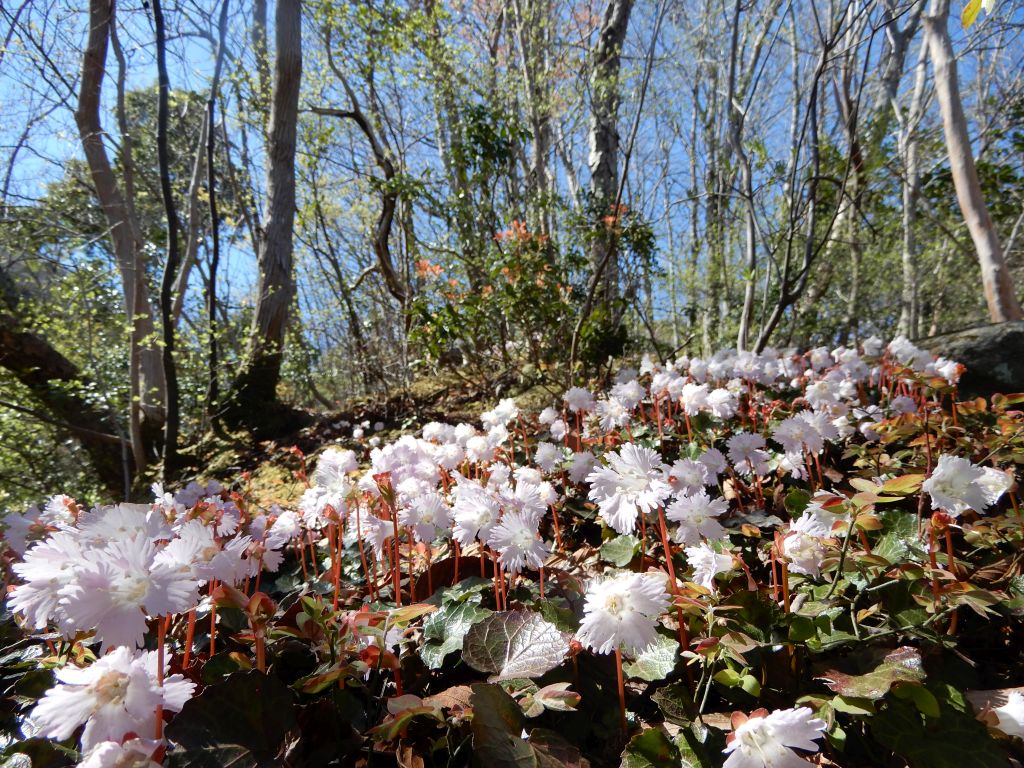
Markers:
796,502
730,678
444,630
243,722
650,749
952,740
853,705
801,628
676,703
700,746
38,753
657,662
904,485
923,699
514,644
900,538
558,697
621,550
551,747
497,731
750,684
902,665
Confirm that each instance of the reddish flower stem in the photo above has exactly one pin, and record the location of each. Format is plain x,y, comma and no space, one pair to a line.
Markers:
622,691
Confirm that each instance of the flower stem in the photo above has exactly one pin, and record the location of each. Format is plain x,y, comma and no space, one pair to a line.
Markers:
622,691
161,637
190,634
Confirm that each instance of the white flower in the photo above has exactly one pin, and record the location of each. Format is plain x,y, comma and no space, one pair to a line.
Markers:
60,510
688,476
797,434
955,486
706,564
1011,715
629,393
517,543
746,453
123,521
197,554
696,517
559,429
375,531
612,414
117,586
479,449
547,456
582,465
622,611
803,547
694,398
134,753
634,483
906,353
872,347
428,515
821,394
48,567
767,741
722,403
994,483
579,399
475,510
114,696
332,469
714,460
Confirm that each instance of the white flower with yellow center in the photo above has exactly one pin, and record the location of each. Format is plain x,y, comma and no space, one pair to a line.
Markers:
114,696
621,612
768,740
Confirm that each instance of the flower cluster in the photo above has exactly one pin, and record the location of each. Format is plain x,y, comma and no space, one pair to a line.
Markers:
700,454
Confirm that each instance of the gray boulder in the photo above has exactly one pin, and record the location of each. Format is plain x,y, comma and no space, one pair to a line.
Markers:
993,355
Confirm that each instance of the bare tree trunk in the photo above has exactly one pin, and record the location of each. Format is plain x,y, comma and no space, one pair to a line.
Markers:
192,231
909,323
604,144
533,33
256,385
736,121
213,349
995,276
173,419
147,386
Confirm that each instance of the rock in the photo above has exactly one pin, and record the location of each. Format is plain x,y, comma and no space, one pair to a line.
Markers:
993,355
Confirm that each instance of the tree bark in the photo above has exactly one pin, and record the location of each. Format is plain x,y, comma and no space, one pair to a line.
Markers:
909,323
604,145
736,122
995,276
147,386
173,416
256,385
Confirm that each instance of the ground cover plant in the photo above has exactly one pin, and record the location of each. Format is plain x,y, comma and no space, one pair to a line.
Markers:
750,560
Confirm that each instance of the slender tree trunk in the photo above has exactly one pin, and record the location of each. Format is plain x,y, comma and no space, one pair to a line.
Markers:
256,385
604,146
995,276
909,323
213,348
147,386
736,121
173,417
